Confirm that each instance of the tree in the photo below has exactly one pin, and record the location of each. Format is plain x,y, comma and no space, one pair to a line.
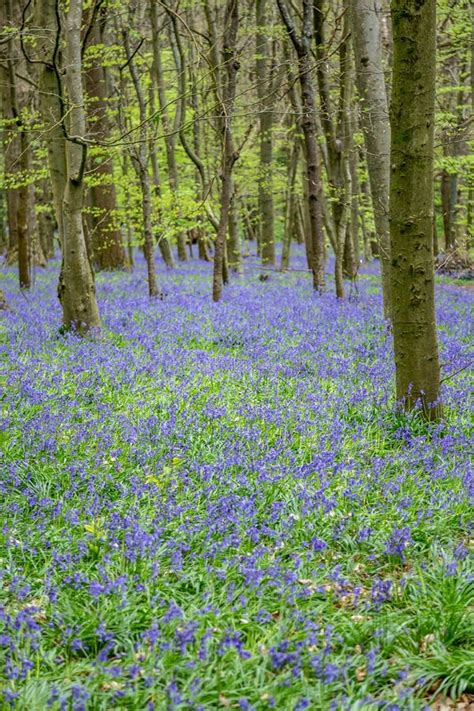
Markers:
140,159
265,95
370,79
107,242
302,45
76,287
229,154
52,102
170,129
17,153
411,205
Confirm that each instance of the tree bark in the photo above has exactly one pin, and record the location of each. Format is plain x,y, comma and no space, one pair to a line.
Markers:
163,242
107,242
229,154
140,161
17,163
169,130
76,287
302,45
366,35
234,252
411,205
52,102
290,212
264,91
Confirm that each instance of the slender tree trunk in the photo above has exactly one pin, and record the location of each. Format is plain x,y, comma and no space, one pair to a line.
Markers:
302,45
18,163
140,161
355,206
345,131
234,252
76,287
290,205
163,243
46,218
411,205
229,155
264,90
435,234
51,102
335,221
366,35
169,130
449,191
107,242
36,254
23,241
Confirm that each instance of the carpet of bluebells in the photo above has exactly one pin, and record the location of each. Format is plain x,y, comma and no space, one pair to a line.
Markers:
219,506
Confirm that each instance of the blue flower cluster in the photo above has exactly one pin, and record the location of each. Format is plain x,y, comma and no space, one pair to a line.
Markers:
220,505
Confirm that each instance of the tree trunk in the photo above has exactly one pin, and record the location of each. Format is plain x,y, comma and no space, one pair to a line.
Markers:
355,192
17,163
51,102
229,155
76,287
46,221
23,241
366,35
234,251
411,205
163,243
449,190
107,242
140,162
302,46
169,130
265,183
290,211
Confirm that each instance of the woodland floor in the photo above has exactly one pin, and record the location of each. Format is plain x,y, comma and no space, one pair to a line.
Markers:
217,506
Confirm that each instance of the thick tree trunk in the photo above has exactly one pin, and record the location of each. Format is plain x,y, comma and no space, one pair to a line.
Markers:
411,205
366,35
76,287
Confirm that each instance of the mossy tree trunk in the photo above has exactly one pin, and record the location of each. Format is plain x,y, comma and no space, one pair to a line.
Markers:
411,205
